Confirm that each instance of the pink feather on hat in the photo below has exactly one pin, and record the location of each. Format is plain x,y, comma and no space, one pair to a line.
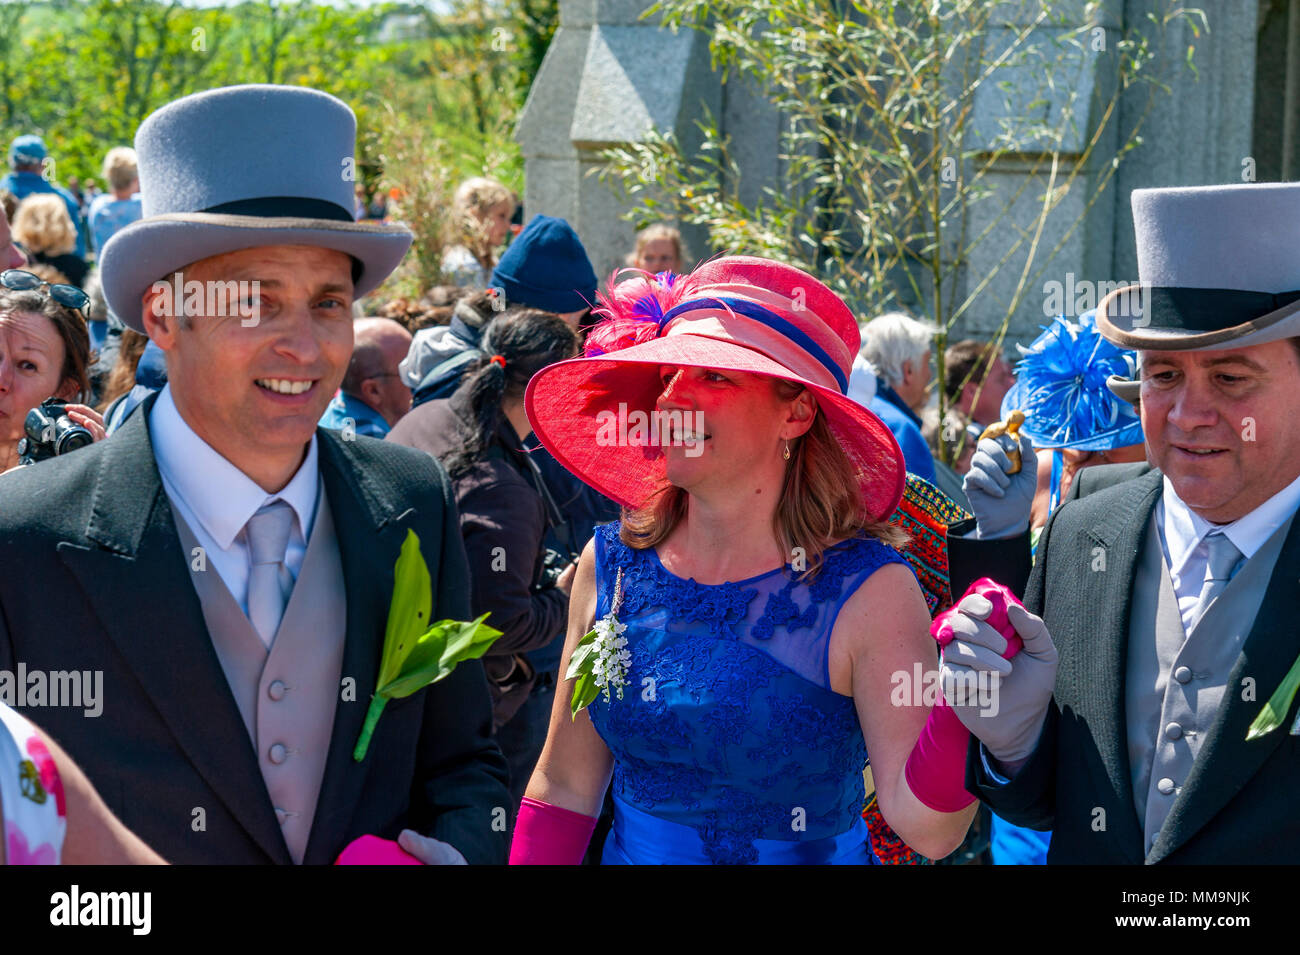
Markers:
633,310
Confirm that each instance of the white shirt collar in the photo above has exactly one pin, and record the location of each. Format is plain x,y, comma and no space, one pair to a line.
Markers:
1185,529
220,495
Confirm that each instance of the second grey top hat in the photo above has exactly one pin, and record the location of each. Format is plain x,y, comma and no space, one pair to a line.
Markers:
1217,267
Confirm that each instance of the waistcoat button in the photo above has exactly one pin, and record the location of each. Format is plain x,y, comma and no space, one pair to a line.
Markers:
276,690
278,753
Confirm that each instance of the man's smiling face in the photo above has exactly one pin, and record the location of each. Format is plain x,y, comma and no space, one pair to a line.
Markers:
255,391
1224,425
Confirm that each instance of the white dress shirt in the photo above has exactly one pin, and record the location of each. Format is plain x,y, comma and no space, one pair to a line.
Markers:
1183,533
216,499
862,381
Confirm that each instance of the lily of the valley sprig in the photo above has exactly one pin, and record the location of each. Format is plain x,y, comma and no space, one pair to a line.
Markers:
1275,710
601,659
416,653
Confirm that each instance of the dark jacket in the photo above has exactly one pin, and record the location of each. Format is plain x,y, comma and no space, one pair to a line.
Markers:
503,522
581,508
1237,805
98,581
1006,560
73,266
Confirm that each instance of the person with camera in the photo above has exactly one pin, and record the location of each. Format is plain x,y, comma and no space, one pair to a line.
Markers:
505,510
44,357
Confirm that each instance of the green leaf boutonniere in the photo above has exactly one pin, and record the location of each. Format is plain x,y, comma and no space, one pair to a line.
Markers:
601,659
416,653
1275,710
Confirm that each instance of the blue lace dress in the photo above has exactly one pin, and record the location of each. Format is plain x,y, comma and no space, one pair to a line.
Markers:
729,745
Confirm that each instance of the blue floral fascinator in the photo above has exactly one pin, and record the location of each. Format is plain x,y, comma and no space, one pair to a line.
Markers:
1061,388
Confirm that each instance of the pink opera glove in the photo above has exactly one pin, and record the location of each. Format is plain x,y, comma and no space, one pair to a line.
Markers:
549,835
1001,598
371,850
936,769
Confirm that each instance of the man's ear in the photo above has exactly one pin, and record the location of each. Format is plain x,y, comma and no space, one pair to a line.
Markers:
159,315
370,393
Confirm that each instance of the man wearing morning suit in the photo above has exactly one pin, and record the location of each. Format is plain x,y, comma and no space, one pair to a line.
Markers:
227,565
1170,596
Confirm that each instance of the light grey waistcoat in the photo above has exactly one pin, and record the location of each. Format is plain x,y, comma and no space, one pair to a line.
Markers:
286,696
1175,682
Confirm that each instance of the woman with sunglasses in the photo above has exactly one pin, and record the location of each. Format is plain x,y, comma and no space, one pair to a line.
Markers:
44,353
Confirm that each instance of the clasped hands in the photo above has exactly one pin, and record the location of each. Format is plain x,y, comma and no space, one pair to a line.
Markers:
1009,723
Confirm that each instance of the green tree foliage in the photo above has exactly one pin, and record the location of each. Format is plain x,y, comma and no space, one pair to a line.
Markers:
83,73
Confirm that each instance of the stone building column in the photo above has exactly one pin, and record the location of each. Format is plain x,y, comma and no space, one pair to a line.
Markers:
608,78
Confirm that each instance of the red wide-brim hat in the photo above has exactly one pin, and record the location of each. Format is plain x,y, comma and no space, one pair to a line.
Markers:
738,313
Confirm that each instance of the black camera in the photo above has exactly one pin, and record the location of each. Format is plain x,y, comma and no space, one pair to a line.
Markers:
553,567
51,432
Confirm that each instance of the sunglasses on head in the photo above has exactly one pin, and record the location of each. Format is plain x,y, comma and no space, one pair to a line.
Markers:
69,296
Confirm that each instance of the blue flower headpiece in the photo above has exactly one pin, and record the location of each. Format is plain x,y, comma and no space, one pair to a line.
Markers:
1061,388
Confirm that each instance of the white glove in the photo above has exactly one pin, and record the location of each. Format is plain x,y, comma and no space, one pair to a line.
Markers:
1008,722
1000,500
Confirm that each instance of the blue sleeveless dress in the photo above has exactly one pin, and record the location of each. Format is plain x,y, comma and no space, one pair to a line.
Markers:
729,745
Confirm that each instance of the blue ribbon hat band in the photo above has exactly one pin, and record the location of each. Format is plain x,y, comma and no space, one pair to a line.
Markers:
767,317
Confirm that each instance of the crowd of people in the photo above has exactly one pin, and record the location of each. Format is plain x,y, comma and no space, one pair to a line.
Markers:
752,598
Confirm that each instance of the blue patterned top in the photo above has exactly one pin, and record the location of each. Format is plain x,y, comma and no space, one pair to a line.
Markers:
728,724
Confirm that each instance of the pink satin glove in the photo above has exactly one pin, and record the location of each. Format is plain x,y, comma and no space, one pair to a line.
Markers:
371,850
936,768
1001,598
549,835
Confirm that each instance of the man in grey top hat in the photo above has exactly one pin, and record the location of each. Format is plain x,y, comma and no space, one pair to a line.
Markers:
226,565
1169,591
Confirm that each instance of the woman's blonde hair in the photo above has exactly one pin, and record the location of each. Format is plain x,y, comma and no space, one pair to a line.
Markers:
820,502
654,233
43,225
473,200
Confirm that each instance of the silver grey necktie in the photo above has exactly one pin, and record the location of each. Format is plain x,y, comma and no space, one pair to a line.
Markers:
269,580
1224,558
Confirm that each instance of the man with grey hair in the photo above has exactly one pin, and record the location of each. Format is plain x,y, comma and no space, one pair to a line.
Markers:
373,396
899,348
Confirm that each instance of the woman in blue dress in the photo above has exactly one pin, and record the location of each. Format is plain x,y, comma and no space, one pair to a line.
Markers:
757,632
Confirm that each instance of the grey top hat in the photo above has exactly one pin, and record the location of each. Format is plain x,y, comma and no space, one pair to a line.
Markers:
240,167
1217,267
